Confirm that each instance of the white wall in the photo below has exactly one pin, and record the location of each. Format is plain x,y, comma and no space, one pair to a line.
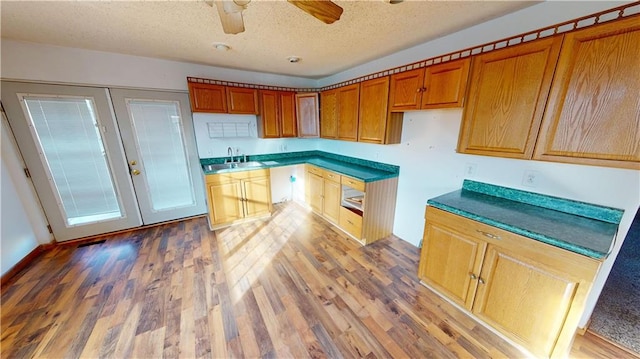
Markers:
23,226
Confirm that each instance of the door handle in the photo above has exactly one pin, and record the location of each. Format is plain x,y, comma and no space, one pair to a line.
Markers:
133,162
135,172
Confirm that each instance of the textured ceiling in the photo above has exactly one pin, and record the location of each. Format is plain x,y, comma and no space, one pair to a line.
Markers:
275,30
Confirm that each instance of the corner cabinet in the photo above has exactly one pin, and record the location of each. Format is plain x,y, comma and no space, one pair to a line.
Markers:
593,114
238,196
506,100
308,114
531,292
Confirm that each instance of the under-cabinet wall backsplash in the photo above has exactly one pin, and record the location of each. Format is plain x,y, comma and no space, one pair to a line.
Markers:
215,133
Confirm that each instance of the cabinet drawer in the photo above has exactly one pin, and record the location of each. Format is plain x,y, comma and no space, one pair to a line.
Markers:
353,183
234,176
351,222
315,170
331,176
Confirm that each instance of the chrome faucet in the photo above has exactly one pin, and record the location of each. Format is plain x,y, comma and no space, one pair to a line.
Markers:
230,153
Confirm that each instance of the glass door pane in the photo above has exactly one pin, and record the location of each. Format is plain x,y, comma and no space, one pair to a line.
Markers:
159,139
67,134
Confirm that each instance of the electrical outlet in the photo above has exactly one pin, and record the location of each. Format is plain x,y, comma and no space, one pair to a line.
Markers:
530,178
470,169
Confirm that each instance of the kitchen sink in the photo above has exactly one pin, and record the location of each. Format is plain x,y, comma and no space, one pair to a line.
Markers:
226,166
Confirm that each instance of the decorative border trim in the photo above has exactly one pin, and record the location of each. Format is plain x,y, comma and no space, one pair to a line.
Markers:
617,13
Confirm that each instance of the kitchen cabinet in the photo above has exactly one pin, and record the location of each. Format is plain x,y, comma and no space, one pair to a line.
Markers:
222,99
437,86
507,95
238,196
308,114
593,114
277,114
329,114
348,100
365,211
339,113
207,98
242,100
376,123
325,192
529,291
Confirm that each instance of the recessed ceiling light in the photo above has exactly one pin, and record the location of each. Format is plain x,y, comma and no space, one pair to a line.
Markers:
293,59
221,46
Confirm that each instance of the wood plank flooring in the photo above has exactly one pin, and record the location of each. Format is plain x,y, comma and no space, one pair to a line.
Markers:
291,286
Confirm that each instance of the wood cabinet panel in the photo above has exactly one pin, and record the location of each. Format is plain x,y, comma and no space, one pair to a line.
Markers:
225,205
316,188
451,262
288,123
445,84
351,222
308,114
525,299
406,90
373,115
329,114
242,100
269,119
593,114
257,196
332,194
348,101
506,100
207,98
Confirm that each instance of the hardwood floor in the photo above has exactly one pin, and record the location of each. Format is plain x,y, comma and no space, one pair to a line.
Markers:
291,286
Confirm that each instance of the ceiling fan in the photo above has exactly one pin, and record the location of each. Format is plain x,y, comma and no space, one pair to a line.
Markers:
230,12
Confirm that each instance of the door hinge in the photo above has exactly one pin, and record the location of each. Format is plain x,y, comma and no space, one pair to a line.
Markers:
27,173
50,229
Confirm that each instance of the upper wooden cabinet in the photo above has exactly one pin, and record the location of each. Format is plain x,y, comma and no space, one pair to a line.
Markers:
329,114
506,100
308,114
222,99
376,124
277,114
242,100
445,84
593,113
207,98
348,101
436,86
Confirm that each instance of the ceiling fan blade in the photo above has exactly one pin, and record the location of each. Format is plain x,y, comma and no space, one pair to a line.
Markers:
323,10
232,22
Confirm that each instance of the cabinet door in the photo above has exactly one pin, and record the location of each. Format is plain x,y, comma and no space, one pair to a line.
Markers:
348,101
242,100
524,299
593,114
268,126
406,90
507,95
445,84
374,98
450,263
207,98
288,124
257,196
308,115
225,202
329,114
331,205
316,184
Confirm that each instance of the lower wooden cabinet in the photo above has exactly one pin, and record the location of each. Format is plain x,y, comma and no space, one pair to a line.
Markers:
365,211
531,292
237,196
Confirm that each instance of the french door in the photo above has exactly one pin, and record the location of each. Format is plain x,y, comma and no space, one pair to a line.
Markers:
79,155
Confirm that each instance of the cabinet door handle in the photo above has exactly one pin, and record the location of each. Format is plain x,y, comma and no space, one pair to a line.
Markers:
473,276
351,223
487,234
481,281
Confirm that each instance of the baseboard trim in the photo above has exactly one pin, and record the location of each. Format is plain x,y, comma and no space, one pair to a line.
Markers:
621,347
23,263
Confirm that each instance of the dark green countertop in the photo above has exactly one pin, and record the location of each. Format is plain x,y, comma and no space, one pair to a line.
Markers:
547,219
364,170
